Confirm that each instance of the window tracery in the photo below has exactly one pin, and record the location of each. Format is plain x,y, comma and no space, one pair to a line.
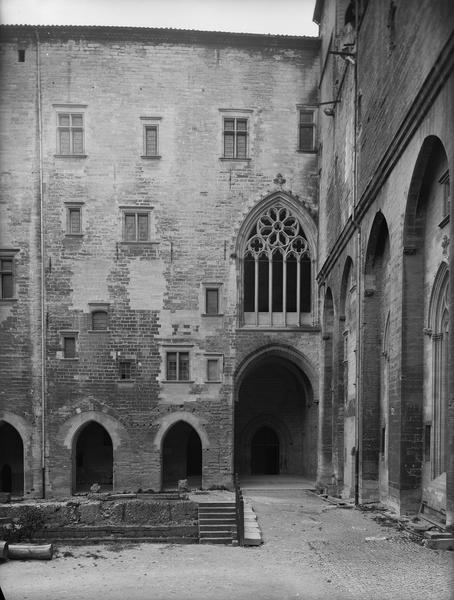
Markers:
277,270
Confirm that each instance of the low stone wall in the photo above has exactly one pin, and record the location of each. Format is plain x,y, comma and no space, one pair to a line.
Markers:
158,518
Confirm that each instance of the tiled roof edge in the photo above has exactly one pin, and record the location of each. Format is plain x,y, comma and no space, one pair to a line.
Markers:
154,34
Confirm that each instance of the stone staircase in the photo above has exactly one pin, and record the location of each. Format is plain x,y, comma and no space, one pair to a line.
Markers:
217,523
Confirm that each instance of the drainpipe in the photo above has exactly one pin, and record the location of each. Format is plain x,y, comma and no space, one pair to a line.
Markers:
358,420
42,271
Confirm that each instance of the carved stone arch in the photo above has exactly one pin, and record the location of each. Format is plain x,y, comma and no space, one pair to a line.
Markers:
438,299
69,430
432,149
278,426
168,421
293,356
307,222
378,238
23,428
276,259
24,431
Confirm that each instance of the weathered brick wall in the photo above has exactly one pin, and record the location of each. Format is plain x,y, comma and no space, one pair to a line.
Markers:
389,80
20,317
393,61
197,203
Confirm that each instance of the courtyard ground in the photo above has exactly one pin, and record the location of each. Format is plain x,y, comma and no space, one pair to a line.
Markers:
312,551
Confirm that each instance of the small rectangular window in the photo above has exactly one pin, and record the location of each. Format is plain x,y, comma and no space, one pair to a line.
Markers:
69,347
136,227
99,320
74,220
151,140
212,301
306,134
124,370
177,366
235,138
213,369
70,133
6,274
21,55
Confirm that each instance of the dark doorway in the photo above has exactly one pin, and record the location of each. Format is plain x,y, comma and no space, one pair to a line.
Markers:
94,458
181,456
11,460
265,452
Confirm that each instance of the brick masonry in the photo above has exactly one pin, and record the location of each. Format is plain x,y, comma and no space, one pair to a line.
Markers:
399,102
119,79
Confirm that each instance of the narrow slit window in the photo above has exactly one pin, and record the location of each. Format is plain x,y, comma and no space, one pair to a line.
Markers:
21,55
74,220
151,140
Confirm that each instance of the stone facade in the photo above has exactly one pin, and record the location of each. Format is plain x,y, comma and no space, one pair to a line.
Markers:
384,253
121,209
230,253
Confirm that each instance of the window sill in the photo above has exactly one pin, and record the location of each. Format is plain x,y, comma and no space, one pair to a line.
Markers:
217,382
126,381
74,235
444,222
223,158
131,243
212,315
6,300
307,151
288,328
98,331
69,359
147,157
70,155
177,381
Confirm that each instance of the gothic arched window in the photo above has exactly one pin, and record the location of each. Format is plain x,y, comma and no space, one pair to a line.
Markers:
277,270
439,326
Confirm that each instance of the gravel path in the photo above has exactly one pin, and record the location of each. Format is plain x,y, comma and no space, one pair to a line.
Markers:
312,551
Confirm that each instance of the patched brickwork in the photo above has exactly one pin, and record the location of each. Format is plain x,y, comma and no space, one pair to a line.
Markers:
154,232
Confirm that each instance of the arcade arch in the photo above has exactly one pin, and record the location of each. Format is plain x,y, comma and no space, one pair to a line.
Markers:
275,416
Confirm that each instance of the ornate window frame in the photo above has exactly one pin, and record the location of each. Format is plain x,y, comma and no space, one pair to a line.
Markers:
290,243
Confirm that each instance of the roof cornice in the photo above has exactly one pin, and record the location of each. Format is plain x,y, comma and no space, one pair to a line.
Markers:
156,35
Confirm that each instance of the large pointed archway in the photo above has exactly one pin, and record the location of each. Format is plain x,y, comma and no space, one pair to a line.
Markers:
275,416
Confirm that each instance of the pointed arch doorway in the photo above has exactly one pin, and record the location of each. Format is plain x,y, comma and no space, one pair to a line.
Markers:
275,417
92,458
181,456
11,460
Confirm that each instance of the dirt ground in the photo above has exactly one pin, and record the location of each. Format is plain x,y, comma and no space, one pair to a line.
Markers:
312,551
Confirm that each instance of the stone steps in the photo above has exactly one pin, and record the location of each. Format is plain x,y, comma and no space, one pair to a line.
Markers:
217,523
